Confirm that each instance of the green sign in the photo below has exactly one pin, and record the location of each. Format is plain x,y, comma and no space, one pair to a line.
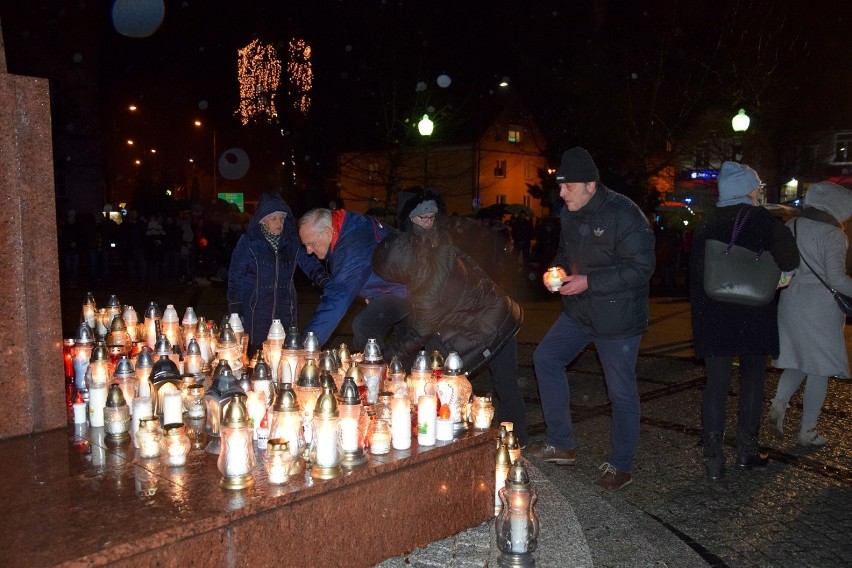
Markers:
235,198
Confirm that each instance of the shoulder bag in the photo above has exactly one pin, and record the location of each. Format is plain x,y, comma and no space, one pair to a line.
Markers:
737,275
843,301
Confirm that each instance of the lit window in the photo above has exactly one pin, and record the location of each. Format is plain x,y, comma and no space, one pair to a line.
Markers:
843,148
514,134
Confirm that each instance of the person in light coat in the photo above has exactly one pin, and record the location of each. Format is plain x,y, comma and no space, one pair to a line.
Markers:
810,323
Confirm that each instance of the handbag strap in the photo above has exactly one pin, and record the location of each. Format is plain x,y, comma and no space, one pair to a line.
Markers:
811,268
739,223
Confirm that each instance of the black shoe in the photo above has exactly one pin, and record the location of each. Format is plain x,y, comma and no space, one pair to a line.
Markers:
715,468
758,459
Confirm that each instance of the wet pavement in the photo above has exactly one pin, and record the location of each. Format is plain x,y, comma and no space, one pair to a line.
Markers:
795,512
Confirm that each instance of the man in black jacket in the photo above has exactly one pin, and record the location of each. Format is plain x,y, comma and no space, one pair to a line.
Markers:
605,261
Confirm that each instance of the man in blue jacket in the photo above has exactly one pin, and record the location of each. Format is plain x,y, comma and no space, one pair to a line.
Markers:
260,277
345,241
605,260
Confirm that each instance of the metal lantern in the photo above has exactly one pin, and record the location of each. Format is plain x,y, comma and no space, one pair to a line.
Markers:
292,356
374,369
165,378
100,367
151,325
354,371
236,460
189,326
436,363
327,380
326,453
420,381
118,340
511,442
90,310
125,377
227,348
287,420
503,463
307,391
353,425
116,415
83,344
205,342
261,378
395,381
454,390
224,386
328,363
144,366
193,362
344,357
113,308
517,524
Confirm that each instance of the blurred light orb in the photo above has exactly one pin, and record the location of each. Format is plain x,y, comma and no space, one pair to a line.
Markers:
137,18
202,105
77,57
634,76
233,163
420,87
348,48
444,80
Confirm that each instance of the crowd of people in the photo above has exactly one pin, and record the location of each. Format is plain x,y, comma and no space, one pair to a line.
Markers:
434,281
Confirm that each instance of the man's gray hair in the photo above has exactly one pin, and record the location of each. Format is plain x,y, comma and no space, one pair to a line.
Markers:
318,219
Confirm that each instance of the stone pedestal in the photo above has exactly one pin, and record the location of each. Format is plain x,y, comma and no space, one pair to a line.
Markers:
30,318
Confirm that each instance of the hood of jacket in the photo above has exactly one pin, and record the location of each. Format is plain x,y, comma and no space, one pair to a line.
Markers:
268,203
834,199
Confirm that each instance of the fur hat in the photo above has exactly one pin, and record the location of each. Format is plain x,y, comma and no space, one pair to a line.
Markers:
577,167
736,181
834,199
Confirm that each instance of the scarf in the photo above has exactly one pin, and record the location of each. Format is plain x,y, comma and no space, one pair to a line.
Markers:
273,239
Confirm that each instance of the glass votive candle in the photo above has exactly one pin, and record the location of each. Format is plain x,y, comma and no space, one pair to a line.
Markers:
193,401
173,407
149,437
278,461
401,423
175,444
482,412
380,439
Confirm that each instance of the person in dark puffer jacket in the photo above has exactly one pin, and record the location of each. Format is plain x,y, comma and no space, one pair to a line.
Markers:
456,307
260,277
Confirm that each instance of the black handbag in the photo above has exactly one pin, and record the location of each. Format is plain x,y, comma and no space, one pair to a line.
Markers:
843,301
737,275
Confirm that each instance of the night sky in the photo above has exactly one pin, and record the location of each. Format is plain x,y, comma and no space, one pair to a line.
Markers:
621,77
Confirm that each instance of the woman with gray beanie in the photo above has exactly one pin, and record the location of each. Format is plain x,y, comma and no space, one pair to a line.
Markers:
723,330
810,324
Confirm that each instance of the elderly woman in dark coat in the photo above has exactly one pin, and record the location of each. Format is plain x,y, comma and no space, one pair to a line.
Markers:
458,307
810,323
260,277
722,331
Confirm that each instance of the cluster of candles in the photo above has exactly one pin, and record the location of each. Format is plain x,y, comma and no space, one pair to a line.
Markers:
170,385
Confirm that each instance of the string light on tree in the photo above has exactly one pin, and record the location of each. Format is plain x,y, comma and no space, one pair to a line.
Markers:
301,74
259,73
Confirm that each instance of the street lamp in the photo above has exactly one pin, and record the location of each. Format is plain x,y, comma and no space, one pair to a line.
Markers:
740,124
199,124
425,127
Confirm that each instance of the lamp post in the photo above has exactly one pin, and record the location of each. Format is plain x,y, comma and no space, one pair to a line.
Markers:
425,127
740,124
199,124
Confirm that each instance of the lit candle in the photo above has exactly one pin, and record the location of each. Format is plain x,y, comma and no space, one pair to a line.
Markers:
554,278
278,461
400,423
519,503
325,443
380,441
141,407
97,402
427,415
176,444
256,407
444,429
173,407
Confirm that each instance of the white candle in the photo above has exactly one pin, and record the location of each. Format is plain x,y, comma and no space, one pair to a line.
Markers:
140,408
380,443
256,408
97,402
237,460
325,443
79,413
81,363
518,521
401,423
444,429
349,434
427,416
173,408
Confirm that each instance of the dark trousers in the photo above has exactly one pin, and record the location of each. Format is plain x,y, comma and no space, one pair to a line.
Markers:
752,379
375,321
504,373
